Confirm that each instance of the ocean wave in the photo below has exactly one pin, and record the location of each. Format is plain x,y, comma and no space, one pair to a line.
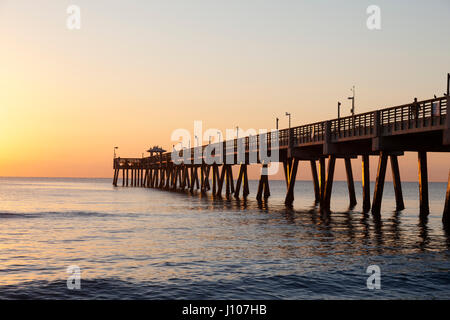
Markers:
331,285
33,215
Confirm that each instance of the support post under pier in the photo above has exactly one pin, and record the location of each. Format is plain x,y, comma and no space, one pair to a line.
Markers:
291,174
423,184
322,177
328,184
365,182
263,185
397,183
379,184
350,182
315,181
239,181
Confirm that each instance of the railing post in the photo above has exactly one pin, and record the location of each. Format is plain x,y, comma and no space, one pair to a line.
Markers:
377,123
327,138
289,153
376,141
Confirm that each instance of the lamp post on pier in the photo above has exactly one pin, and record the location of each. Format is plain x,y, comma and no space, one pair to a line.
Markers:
353,101
353,107
339,116
288,115
448,84
289,136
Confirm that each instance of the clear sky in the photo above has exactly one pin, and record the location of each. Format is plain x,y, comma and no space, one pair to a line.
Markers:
137,70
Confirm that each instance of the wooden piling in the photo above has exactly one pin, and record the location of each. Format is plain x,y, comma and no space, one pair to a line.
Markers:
379,184
315,180
197,184
183,177
246,189
202,179
220,181
286,170
329,183
115,177
292,165
188,178
127,177
123,177
350,182
263,186
260,188
365,177
266,187
215,178
322,177
168,176
175,175
155,178
150,177
207,174
162,177
180,176
239,181
397,183
227,181
192,179
423,183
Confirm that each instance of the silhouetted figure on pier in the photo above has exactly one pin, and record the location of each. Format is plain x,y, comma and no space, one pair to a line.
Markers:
414,110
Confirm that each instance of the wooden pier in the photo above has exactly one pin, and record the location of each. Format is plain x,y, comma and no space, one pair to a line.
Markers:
385,133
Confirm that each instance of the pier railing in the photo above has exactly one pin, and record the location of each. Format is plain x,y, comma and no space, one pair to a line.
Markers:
422,115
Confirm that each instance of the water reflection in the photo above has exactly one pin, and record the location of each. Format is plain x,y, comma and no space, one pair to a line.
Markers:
167,237
340,231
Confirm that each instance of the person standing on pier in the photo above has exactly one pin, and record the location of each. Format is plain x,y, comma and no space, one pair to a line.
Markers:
415,108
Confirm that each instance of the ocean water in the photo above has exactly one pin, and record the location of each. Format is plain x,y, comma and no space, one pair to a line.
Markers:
138,243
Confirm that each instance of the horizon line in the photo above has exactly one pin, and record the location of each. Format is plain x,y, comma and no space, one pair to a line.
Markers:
42,177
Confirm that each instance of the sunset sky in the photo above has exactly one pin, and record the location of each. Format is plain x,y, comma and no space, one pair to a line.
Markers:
137,70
